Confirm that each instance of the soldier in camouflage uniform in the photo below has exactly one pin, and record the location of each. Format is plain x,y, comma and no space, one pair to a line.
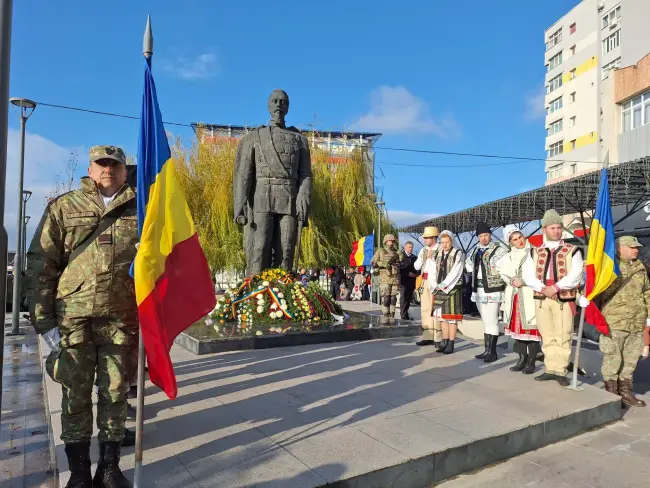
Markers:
387,260
625,305
86,309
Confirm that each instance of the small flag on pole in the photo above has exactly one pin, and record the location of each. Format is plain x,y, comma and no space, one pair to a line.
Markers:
361,254
601,268
172,278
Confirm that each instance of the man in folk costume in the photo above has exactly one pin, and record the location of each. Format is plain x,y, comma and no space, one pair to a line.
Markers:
425,263
554,272
487,287
519,304
448,291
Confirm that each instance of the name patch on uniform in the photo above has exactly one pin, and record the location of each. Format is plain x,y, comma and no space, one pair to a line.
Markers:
130,217
76,215
105,239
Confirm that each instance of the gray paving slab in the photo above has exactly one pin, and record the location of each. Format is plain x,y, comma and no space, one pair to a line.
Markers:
371,414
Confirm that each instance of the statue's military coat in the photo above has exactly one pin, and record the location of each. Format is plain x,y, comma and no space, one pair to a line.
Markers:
272,188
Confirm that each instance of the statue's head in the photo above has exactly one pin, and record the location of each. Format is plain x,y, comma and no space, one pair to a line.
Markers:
278,106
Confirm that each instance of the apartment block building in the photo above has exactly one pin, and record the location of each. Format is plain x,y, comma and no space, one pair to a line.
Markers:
583,50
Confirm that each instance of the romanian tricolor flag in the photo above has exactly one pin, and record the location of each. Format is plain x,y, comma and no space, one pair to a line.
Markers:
172,278
361,254
601,267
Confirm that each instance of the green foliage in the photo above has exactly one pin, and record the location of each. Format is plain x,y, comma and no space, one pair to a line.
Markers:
343,209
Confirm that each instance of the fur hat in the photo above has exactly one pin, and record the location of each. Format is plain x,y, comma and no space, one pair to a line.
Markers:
483,228
551,217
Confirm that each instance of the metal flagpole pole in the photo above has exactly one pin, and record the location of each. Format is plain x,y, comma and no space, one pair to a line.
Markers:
5,53
576,356
139,416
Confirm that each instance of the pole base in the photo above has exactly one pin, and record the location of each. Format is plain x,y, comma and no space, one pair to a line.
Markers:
574,388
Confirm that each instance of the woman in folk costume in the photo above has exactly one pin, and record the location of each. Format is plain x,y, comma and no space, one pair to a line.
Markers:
448,291
519,304
487,287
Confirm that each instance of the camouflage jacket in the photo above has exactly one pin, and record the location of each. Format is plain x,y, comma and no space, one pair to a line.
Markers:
97,284
626,302
387,260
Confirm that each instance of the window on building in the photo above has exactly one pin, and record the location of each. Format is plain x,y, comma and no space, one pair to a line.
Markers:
572,97
612,17
554,39
573,146
554,127
572,28
636,112
574,166
555,149
610,66
612,42
572,74
573,50
554,172
555,61
555,105
572,121
554,84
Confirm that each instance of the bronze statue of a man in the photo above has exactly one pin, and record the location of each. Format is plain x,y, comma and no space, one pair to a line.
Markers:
272,189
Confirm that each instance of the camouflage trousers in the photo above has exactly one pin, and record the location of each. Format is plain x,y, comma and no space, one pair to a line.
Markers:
75,369
388,294
621,353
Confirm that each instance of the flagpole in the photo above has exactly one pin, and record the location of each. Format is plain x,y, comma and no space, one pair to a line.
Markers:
576,357
139,416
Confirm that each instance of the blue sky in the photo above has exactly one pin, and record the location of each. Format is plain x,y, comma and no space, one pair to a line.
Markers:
451,76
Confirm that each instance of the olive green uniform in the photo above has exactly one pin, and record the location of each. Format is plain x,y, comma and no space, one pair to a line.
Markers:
626,305
387,260
91,301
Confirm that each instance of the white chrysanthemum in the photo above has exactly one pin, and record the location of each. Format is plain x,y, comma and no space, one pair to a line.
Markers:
283,306
260,309
275,290
280,295
274,306
265,283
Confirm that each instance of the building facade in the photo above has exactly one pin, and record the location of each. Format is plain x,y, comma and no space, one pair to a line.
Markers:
338,144
583,51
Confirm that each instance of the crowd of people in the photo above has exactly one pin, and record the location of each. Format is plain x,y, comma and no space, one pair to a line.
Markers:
536,292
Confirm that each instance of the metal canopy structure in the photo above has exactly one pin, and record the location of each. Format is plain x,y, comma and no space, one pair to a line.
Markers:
629,184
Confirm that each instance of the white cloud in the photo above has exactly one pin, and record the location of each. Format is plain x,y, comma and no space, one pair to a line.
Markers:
402,218
199,67
535,106
394,110
44,162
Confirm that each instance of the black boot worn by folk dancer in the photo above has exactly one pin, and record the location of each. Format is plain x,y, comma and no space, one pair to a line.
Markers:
521,350
486,340
533,350
492,354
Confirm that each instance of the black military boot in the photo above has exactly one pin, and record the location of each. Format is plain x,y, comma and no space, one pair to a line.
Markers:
520,348
78,454
486,339
108,474
129,438
492,352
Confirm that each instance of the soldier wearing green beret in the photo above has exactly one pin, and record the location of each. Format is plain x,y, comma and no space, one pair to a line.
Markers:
625,306
82,299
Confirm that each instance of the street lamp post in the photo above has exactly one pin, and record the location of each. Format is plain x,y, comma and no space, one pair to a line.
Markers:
379,204
26,110
27,219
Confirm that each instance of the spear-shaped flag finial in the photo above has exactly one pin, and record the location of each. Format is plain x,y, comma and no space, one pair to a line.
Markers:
147,46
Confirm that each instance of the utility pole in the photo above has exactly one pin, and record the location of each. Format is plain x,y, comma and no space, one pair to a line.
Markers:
5,54
599,95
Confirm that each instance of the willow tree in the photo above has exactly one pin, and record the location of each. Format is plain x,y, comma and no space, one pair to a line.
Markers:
343,209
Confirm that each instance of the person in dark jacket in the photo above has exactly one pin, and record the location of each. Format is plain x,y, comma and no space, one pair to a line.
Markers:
338,277
408,274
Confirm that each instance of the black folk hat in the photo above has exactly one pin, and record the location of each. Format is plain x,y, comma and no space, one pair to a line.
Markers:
483,228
